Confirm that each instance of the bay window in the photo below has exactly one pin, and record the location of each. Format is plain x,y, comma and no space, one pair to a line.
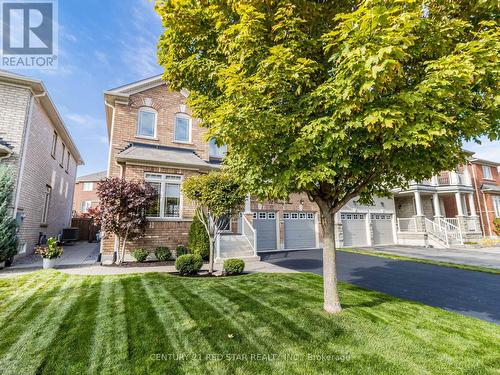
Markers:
169,195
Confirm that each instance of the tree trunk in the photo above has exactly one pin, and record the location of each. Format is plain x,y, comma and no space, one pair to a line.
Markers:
331,296
211,256
122,255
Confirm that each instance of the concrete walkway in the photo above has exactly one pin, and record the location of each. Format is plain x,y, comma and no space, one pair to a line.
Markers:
483,257
80,259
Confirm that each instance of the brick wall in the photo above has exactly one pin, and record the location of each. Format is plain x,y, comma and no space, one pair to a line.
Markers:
80,196
13,113
40,170
484,201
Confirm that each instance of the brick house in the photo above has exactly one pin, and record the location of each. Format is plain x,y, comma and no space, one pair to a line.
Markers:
486,182
154,137
43,158
85,195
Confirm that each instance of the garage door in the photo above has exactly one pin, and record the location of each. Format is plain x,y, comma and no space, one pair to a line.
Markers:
300,230
354,229
264,223
382,229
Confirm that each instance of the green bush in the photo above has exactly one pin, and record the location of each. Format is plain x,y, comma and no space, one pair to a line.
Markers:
234,266
140,254
8,224
496,223
188,264
181,250
163,253
198,240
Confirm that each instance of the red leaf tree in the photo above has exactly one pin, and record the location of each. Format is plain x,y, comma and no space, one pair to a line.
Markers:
122,211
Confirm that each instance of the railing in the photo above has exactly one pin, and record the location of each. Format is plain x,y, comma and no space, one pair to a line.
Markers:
452,220
434,228
249,232
407,224
451,230
452,178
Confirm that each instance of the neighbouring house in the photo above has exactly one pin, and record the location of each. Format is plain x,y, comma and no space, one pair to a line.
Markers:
486,184
85,196
35,143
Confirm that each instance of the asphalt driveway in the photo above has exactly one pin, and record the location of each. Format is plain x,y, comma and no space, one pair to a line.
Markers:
465,292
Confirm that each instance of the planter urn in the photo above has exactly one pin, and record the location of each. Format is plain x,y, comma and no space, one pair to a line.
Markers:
49,263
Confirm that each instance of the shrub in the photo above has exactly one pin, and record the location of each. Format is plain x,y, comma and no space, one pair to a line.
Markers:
8,225
180,250
234,266
163,253
52,251
496,223
140,254
188,264
198,240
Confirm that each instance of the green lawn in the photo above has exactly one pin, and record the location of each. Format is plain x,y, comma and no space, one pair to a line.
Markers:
264,323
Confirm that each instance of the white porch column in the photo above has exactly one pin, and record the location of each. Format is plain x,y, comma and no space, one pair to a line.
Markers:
437,206
458,199
418,204
472,205
248,207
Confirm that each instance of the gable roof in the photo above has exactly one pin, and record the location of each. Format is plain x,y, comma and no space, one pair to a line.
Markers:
93,177
163,155
38,88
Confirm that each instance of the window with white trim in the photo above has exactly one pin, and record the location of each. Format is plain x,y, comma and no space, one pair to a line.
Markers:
168,187
68,158
496,205
46,204
310,216
88,186
84,207
146,123
182,128
53,149
63,155
487,175
215,151
262,215
286,215
271,215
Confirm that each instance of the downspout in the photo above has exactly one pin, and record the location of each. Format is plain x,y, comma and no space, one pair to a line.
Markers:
487,216
477,197
23,151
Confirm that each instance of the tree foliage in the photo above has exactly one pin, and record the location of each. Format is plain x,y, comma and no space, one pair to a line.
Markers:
198,240
122,209
216,195
336,98
8,225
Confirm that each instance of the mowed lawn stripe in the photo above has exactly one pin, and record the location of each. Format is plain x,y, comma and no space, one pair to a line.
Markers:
34,335
110,346
144,334
72,342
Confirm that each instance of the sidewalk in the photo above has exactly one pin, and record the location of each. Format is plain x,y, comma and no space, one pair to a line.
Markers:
80,259
481,257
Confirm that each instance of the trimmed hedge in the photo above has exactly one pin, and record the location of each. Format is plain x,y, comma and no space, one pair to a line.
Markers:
188,264
181,250
198,240
140,254
234,266
163,253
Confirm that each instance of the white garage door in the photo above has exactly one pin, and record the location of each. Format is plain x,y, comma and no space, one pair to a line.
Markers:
354,229
265,225
300,230
382,229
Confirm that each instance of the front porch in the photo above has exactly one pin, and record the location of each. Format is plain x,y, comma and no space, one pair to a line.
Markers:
439,218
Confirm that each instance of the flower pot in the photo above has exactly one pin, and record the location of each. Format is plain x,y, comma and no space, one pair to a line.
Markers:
49,263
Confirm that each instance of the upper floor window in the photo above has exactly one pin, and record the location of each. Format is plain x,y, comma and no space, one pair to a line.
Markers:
487,172
53,149
182,128
68,157
146,123
216,151
46,204
63,154
496,205
85,205
88,186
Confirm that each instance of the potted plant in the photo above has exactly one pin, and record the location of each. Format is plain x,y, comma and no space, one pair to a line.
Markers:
49,253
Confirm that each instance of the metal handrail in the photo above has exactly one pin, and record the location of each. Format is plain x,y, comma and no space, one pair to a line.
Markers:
250,233
451,230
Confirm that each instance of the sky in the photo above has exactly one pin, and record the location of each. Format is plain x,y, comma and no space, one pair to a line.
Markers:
106,44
